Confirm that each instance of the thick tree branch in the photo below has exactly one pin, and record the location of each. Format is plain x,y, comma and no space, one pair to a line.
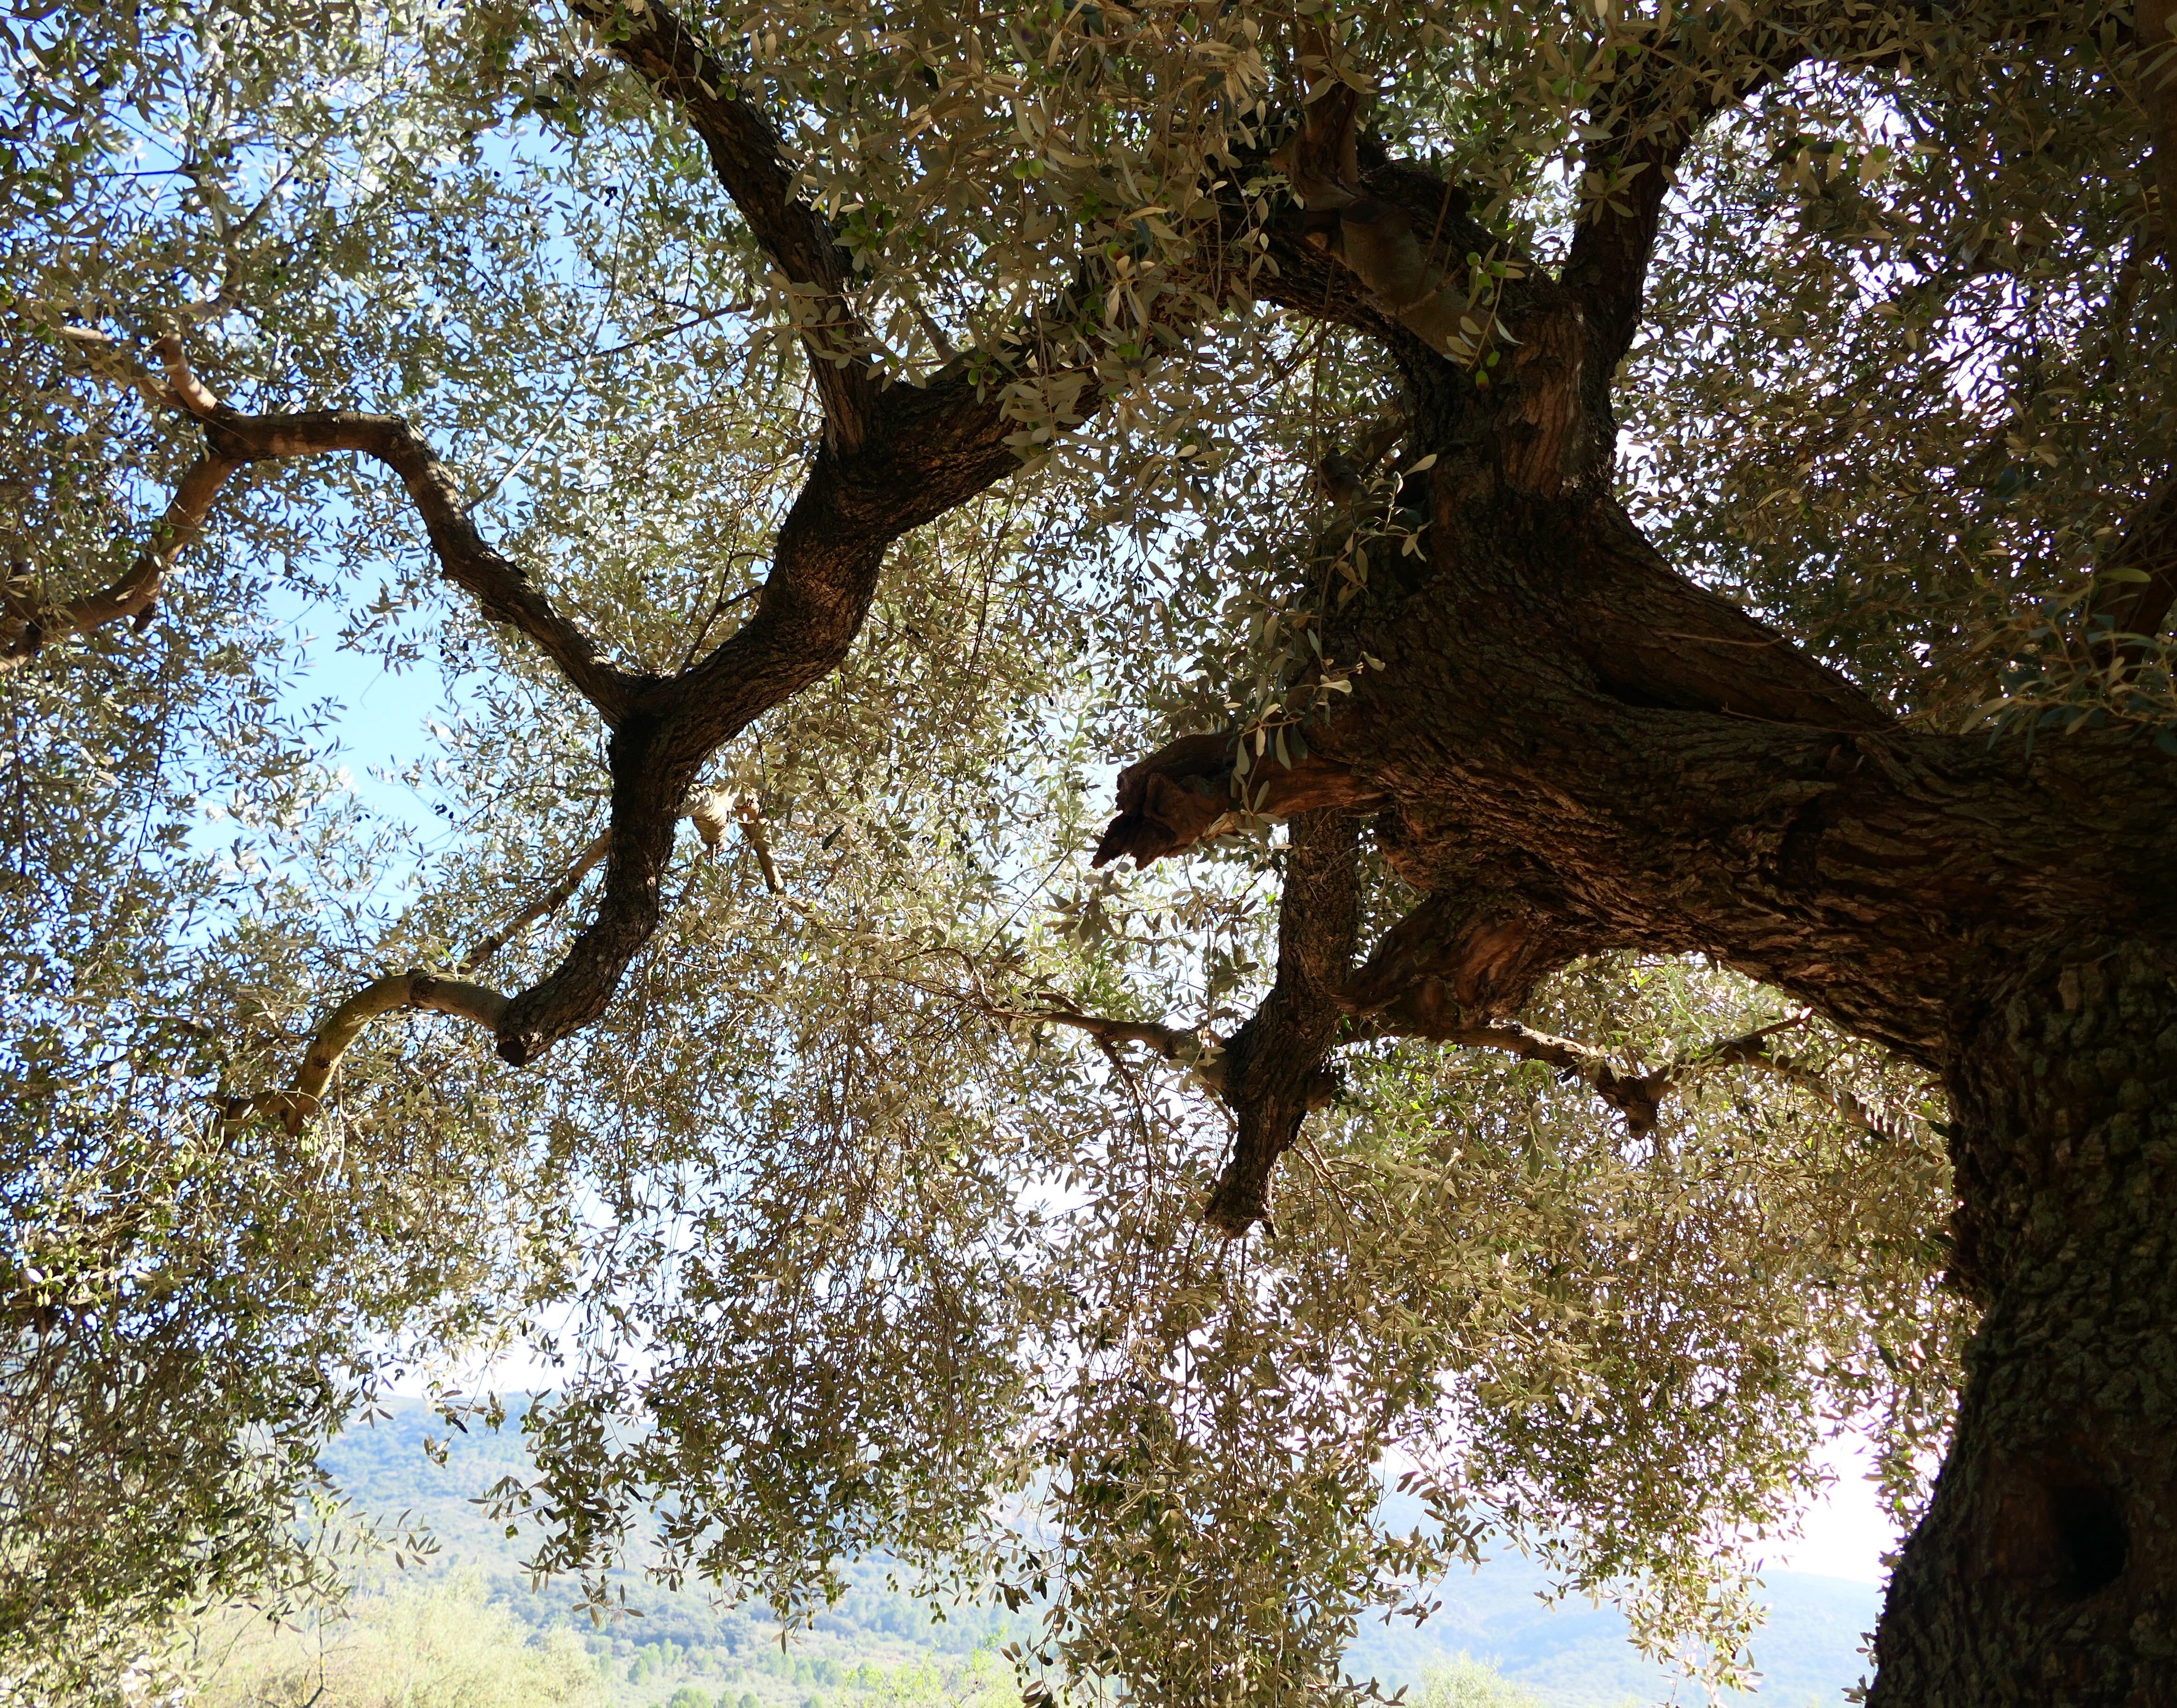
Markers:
745,152
1640,126
502,589
1652,637
895,457
1274,1066
1189,791
1646,117
1428,1011
1480,949
926,450
1416,272
345,1024
544,907
931,450
1607,265
710,811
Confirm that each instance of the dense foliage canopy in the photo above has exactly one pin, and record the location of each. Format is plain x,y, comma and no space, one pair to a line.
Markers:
846,1135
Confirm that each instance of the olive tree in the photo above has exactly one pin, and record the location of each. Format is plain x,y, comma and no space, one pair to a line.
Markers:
1618,557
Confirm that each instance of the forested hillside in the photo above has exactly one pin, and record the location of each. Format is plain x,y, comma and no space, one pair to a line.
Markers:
1572,1655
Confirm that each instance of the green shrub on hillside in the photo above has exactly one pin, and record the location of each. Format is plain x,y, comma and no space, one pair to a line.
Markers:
1470,1683
445,1647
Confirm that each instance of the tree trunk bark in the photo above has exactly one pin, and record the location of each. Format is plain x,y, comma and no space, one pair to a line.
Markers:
1571,749
2045,1571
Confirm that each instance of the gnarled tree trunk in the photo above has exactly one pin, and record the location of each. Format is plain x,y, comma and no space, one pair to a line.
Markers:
1999,915
2046,1569
1571,748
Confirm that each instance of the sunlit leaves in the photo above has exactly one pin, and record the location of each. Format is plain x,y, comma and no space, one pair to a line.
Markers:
842,1250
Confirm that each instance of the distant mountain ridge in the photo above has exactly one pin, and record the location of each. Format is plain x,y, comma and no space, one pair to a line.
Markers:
1571,1655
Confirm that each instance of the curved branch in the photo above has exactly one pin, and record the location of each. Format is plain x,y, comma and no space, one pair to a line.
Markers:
1681,77
416,989
930,449
1423,284
502,588
1753,1050
1636,1096
345,1024
1425,1014
745,151
27,624
1199,1050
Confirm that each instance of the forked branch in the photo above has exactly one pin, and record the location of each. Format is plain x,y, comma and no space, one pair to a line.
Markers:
502,589
1275,1069
1242,1197
712,812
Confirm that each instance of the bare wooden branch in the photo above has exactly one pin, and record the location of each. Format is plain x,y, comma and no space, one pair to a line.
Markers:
345,1024
545,905
502,588
1426,1014
1198,1049
1755,1050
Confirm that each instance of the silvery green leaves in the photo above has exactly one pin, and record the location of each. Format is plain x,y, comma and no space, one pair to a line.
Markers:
843,1243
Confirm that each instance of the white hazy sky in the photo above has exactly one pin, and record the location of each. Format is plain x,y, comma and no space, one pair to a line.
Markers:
1848,1533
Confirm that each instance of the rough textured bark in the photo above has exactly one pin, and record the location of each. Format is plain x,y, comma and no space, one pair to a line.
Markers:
1274,1066
924,450
2045,1571
1575,748
2002,916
